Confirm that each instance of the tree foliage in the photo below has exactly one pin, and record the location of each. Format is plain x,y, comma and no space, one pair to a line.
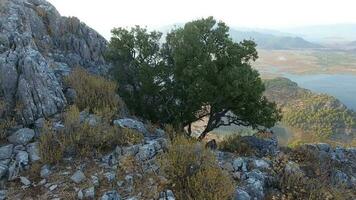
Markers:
197,72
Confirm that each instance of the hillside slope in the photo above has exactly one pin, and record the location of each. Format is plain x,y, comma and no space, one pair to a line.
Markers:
270,41
317,114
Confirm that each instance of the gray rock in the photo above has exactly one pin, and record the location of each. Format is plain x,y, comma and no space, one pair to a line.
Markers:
3,170
339,178
40,123
132,124
78,177
146,152
110,176
91,119
53,187
324,147
33,151
292,168
241,195
6,151
70,95
131,150
111,195
45,171
261,164
262,147
22,136
88,193
22,158
167,195
95,181
240,164
25,181
3,194
14,171
38,47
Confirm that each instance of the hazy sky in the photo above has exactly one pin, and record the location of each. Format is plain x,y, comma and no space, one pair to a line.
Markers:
103,15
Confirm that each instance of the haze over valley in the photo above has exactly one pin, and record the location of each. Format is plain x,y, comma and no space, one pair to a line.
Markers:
178,100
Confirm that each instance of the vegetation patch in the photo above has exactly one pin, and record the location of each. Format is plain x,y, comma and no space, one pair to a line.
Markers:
193,171
83,139
94,92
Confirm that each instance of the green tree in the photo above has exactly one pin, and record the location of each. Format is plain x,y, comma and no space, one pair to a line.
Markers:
198,72
137,62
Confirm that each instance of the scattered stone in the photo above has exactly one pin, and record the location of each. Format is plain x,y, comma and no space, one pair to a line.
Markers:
22,158
33,151
95,181
25,181
42,182
6,151
89,193
53,187
78,176
241,195
110,176
339,178
3,170
3,194
14,171
261,164
166,195
323,147
22,136
132,124
111,195
239,164
146,152
45,171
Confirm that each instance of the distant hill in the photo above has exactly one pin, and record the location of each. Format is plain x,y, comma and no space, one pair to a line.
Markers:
271,41
318,114
325,33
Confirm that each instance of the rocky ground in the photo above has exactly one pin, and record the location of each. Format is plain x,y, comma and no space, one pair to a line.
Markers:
110,176
38,48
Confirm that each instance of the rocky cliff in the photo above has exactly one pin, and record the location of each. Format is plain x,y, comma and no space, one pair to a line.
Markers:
37,47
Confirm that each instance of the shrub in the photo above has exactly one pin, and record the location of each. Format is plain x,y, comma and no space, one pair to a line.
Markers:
234,144
51,145
83,139
193,171
93,92
6,122
170,132
143,180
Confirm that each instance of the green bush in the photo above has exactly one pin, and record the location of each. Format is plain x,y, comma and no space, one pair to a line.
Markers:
193,171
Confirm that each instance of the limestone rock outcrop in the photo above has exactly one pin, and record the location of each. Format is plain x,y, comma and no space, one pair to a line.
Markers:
37,48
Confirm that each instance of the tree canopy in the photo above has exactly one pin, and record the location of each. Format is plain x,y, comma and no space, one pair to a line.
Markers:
199,71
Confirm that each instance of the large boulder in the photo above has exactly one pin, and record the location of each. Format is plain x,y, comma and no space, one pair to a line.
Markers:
37,48
22,136
6,151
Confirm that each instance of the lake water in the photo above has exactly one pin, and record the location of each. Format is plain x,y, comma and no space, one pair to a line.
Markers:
340,86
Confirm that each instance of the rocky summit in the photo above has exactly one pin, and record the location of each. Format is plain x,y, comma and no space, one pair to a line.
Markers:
37,47
54,145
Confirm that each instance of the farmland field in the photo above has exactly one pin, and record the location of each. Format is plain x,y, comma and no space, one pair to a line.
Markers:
273,63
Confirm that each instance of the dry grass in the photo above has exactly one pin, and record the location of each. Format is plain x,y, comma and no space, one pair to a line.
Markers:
234,144
193,171
82,139
94,93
